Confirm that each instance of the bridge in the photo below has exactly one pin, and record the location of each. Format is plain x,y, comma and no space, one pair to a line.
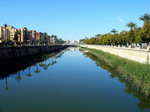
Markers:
74,43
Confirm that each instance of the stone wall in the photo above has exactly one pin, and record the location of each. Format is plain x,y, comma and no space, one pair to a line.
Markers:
141,56
10,53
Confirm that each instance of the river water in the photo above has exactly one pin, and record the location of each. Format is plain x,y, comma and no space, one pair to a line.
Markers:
71,81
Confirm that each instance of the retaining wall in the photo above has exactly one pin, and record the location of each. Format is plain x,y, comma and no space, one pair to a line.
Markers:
131,54
9,53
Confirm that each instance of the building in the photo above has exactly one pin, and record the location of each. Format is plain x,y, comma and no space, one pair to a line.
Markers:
52,39
4,34
38,36
32,35
11,33
1,34
7,33
24,35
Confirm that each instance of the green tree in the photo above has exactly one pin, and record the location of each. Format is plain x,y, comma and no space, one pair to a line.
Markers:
114,31
98,35
138,38
130,37
131,25
5,25
42,40
145,18
123,36
145,33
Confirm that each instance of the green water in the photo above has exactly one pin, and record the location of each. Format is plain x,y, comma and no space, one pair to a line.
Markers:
72,81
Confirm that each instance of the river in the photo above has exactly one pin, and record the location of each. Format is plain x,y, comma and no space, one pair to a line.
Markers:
73,80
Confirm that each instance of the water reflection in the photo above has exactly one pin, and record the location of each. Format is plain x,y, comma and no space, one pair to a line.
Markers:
37,69
18,78
131,88
43,62
6,88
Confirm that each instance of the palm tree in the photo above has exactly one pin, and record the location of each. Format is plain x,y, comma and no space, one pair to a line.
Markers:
131,25
145,18
98,35
145,35
114,31
5,25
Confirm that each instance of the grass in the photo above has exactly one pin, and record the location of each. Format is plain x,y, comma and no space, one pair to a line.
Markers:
139,73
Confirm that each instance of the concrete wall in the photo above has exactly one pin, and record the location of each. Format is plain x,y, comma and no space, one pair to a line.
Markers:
135,55
10,53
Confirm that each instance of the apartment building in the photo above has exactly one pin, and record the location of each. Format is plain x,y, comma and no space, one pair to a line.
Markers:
52,39
11,31
4,34
32,35
23,35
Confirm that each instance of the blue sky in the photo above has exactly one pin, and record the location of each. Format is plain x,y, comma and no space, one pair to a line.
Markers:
72,19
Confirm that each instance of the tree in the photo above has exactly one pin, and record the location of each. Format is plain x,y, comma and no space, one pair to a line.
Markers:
145,18
145,33
45,34
131,25
134,35
138,38
42,40
5,25
123,36
98,35
114,31
130,37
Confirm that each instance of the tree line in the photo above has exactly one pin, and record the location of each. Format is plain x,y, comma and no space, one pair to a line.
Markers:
134,35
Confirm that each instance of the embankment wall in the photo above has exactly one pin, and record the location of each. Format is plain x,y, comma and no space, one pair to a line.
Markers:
9,53
131,54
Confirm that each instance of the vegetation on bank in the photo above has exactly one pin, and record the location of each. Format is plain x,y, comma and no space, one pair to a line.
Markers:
137,73
134,35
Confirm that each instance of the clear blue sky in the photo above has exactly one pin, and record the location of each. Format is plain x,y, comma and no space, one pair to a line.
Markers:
72,19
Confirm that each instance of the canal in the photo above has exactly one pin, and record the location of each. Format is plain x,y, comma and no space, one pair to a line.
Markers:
72,80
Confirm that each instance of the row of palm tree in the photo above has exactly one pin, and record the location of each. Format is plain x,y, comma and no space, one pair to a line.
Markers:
134,35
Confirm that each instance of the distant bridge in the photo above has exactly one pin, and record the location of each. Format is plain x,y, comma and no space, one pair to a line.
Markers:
74,43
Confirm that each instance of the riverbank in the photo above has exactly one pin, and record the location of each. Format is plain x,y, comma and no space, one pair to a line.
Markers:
12,53
141,56
136,73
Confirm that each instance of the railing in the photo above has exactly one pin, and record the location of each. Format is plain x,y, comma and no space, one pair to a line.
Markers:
142,47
